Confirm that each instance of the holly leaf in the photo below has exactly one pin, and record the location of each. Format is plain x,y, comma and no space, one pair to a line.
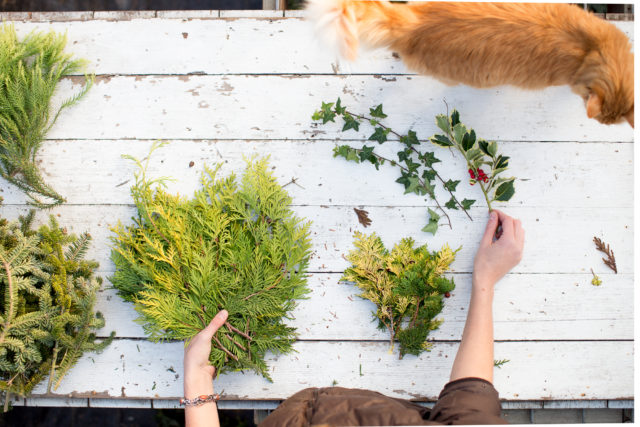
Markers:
468,140
505,191
451,204
432,226
350,123
455,117
442,122
493,148
502,162
410,139
441,140
429,175
451,185
458,132
379,135
377,112
466,204
484,146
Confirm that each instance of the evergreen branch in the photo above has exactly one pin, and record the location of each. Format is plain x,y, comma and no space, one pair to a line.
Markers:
10,290
611,259
275,283
237,331
221,347
243,348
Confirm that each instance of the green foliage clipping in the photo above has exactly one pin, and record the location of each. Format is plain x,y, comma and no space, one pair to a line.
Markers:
234,246
29,73
407,286
47,317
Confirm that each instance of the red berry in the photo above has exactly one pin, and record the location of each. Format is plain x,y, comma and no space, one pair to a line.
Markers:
447,294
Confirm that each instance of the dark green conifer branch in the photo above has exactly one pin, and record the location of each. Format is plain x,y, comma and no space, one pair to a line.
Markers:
235,245
29,74
47,317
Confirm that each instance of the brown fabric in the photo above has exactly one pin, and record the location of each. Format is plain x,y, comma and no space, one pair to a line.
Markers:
465,401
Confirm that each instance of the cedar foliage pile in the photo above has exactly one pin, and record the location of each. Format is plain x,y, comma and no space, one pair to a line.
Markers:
234,246
406,285
29,73
47,317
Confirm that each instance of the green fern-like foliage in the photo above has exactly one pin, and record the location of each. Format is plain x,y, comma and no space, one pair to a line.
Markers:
407,286
234,246
30,70
47,317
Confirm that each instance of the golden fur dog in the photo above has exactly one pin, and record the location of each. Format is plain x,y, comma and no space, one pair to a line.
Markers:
529,45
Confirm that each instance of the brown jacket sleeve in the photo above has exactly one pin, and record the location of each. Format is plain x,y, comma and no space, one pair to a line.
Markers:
468,401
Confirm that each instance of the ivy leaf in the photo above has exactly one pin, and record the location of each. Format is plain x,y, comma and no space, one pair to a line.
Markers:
432,226
442,122
352,156
505,191
317,115
466,204
451,185
379,135
404,179
441,140
429,175
366,153
339,108
455,117
468,140
350,123
327,114
377,112
411,165
429,189
428,158
404,155
451,204
410,139
414,182
341,151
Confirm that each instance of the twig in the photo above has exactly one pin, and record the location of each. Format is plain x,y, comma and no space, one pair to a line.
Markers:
243,348
237,331
221,347
294,181
266,289
363,217
602,247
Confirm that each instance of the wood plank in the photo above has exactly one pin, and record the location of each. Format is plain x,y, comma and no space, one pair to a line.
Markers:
550,370
560,239
549,174
526,307
269,46
280,107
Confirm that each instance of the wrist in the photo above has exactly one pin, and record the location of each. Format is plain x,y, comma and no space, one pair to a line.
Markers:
482,284
197,386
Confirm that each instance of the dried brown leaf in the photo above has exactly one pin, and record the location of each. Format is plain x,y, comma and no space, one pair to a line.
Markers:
363,217
611,259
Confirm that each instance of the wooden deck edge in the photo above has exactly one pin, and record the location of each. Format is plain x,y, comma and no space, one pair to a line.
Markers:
272,404
127,15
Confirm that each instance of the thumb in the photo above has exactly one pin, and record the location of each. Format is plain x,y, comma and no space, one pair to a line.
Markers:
490,231
215,324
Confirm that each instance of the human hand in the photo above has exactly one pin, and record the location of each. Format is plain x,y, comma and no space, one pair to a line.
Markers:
495,258
198,373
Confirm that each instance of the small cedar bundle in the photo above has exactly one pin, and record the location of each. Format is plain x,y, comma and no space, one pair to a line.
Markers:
406,285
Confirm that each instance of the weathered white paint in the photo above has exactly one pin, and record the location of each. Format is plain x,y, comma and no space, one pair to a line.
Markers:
537,370
237,44
280,107
566,245
526,307
548,174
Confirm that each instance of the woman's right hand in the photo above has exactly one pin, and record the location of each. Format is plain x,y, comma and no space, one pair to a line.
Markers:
497,256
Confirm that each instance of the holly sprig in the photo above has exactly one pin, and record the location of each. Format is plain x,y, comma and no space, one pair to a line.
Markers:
417,173
477,153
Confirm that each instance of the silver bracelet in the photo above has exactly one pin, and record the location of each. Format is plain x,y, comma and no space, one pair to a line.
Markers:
200,400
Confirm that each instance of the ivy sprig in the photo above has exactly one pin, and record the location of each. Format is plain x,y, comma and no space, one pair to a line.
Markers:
477,153
417,173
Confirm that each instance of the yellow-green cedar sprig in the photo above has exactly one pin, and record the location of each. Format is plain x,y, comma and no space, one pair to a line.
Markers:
30,70
406,285
234,245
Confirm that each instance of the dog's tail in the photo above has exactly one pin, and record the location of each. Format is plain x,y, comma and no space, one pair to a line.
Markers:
345,24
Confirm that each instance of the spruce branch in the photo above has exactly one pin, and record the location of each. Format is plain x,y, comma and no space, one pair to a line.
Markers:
604,248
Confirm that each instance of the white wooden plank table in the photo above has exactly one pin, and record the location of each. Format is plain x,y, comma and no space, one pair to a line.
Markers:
220,85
